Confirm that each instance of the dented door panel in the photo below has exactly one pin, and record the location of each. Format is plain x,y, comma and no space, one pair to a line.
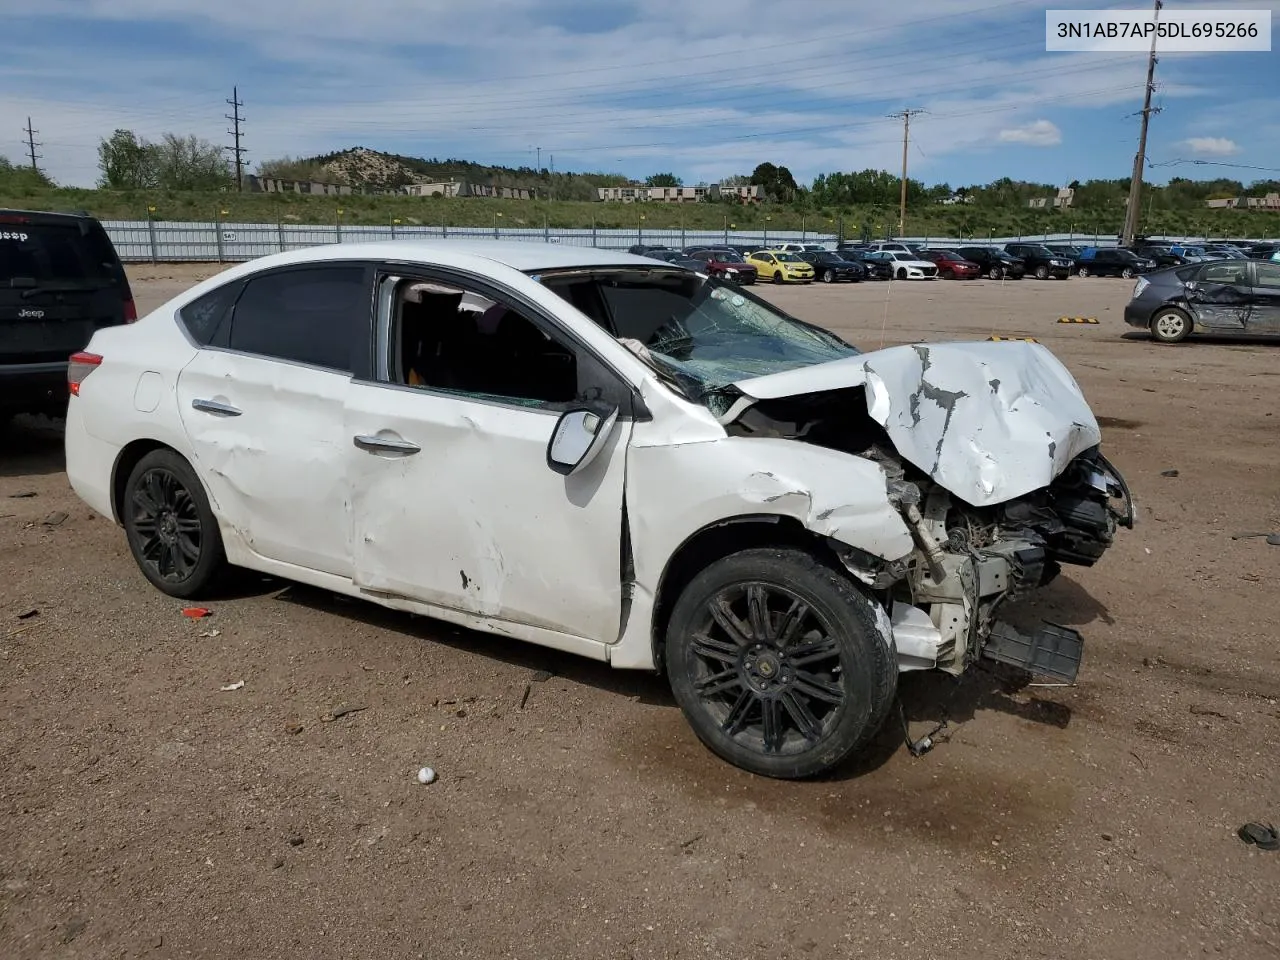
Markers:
475,520
274,469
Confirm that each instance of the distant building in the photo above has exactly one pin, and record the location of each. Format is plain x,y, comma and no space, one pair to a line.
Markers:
1064,198
1269,202
954,199
256,184
639,193
466,188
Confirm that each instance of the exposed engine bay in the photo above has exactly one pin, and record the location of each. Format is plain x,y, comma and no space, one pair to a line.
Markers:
969,561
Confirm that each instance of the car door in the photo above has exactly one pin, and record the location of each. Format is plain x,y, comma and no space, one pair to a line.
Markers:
453,501
262,403
1220,295
768,265
1264,312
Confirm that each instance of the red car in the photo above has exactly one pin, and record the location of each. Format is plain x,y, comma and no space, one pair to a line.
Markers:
724,263
952,266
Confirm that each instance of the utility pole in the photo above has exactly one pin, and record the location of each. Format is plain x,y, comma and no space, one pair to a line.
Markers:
237,151
31,146
905,116
539,170
553,176
1133,211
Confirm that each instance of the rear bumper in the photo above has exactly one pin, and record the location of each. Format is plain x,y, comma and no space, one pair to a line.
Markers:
90,462
1137,314
33,387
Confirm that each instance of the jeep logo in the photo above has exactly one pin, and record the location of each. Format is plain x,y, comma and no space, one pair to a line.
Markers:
29,314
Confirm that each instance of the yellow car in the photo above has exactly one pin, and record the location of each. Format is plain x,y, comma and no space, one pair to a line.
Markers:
780,267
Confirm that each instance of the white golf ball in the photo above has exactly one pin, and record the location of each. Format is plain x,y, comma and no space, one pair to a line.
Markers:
426,775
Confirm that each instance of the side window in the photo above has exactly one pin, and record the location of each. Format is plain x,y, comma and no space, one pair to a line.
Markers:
316,315
202,315
451,339
1268,275
1229,272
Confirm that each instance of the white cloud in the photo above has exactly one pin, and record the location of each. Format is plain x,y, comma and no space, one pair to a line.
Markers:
1037,133
1212,146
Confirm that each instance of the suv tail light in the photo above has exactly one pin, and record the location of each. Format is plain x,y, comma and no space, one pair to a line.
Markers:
130,311
78,367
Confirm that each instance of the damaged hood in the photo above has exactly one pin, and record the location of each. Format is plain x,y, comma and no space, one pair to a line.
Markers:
989,421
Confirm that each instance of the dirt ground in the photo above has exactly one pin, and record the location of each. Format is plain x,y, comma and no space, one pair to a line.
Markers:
145,813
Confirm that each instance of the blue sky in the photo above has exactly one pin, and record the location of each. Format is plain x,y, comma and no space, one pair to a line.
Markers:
702,89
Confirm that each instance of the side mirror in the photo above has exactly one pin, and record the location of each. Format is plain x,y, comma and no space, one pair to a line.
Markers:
577,439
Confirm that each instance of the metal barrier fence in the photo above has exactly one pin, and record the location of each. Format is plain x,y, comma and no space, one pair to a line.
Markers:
218,242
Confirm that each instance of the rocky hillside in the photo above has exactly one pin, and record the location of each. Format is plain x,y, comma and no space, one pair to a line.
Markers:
360,166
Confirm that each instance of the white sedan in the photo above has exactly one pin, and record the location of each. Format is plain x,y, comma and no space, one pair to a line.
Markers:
605,455
905,266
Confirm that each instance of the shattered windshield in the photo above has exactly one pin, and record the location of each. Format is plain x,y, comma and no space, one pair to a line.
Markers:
701,334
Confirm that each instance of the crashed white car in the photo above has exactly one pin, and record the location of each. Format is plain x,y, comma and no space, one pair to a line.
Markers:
609,456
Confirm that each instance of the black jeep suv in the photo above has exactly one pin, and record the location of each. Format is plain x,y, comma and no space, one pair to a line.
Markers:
1039,261
60,280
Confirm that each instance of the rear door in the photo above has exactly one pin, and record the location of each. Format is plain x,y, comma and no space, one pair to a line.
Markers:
59,282
1264,312
1220,295
263,406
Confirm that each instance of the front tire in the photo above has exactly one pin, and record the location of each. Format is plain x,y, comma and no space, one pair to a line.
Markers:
1042,273
1127,273
828,276
947,274
777,276
1082,272
778,663
1171,325
171,530
994,273
900,275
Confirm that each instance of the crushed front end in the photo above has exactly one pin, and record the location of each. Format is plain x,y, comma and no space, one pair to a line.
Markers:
945,598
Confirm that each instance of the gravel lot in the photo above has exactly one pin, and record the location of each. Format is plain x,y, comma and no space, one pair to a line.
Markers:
143,812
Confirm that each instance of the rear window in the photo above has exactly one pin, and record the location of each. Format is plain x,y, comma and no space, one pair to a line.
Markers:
54,252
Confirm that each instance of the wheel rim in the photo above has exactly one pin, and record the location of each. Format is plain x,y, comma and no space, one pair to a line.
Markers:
1084,271
166,524
1127,273
995,273
828,277
1170,325
767,669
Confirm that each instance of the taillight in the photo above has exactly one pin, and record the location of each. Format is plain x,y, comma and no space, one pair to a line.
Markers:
78,367
130,311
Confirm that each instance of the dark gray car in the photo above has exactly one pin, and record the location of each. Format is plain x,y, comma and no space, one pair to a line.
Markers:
1222,296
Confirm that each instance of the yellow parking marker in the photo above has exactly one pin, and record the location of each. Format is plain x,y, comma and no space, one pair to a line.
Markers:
1077,319
1025,339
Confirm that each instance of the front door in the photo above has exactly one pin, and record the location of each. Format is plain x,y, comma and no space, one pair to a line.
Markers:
452,499
264,413
1220,296
1264,315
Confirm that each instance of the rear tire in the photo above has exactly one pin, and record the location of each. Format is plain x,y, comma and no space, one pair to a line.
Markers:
172,532
1171,325
797,691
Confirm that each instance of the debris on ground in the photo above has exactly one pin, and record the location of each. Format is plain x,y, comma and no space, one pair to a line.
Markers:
210,633
293,728
23,495
54,519
296,841
28,614
228,687
337,714
1200,711
1261,835
540,676
1168,473
524,697
1253,534
195,613
426,775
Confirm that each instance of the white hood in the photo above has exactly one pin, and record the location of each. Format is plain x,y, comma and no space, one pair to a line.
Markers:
989,421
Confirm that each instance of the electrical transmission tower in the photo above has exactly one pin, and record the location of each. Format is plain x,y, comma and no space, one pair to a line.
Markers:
32,143
237,151
905,116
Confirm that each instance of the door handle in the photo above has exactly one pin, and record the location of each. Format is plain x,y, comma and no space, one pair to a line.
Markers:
213,406
385,444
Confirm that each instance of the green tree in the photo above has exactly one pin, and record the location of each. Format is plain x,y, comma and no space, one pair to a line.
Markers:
778,183
127,162
663,180
191,163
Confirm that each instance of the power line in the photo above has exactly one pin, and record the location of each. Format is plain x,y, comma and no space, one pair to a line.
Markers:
237,150
906,116
1133,213
31,146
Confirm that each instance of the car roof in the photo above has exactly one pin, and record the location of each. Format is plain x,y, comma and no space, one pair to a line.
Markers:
517,254
46,216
